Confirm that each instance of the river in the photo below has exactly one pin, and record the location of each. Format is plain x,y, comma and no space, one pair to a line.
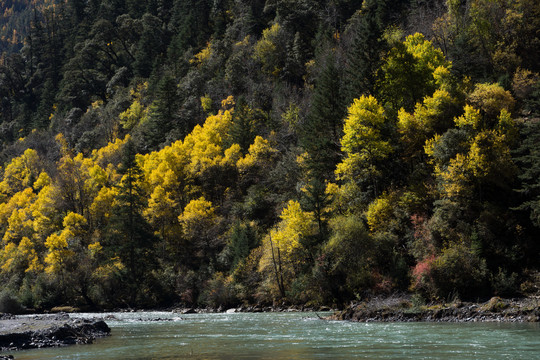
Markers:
165,335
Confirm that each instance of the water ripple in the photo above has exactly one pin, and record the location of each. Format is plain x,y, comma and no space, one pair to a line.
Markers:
163,335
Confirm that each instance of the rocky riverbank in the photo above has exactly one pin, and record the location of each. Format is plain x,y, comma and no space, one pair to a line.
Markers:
250,309
403,310
26,332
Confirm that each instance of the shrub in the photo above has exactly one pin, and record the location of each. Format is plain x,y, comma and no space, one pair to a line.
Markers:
220,291
422,276
9,303
531,285
457,270
504,284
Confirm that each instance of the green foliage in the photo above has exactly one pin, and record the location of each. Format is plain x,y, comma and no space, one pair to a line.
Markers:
458,270
350,250
130,239
321,130
245,122
504,284
364,57
162,112
316,199
528,157
220,291
242,240
9,303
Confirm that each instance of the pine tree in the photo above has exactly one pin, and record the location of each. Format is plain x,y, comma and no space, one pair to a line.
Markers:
316,200
130,237
364,54
191,23
529,161
162,117
243,128
322,129
242,240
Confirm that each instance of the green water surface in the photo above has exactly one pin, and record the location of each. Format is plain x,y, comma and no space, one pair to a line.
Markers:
143,335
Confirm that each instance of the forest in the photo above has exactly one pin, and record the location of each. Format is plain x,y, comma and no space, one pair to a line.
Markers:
227,152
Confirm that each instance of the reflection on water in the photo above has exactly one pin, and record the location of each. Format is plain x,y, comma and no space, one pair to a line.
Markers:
295,336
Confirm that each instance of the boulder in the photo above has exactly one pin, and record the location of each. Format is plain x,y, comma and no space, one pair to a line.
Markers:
38,332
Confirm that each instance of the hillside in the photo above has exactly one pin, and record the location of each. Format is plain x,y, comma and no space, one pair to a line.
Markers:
214,153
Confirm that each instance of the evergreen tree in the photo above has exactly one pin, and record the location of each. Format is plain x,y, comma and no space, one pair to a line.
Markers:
529,159
150,46
316,200
322,130
191,23
366,47
130,237
242,240
244,123
162,117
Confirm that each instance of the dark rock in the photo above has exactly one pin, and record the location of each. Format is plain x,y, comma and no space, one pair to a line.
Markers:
52,332
5,316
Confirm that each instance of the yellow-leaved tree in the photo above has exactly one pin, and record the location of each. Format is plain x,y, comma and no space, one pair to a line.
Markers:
284,253
481,146
429,118
161,215
412,70
20,173
269,50
200,233
363,143
63,245
136,113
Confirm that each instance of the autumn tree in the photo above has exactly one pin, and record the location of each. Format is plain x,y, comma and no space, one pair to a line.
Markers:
363,143
408,73
20,173
68,255
196,219
284,253
433,116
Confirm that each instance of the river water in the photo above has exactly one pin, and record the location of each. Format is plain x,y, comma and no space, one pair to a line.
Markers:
165,335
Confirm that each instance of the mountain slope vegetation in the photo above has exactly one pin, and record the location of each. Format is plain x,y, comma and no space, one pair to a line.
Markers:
214,153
